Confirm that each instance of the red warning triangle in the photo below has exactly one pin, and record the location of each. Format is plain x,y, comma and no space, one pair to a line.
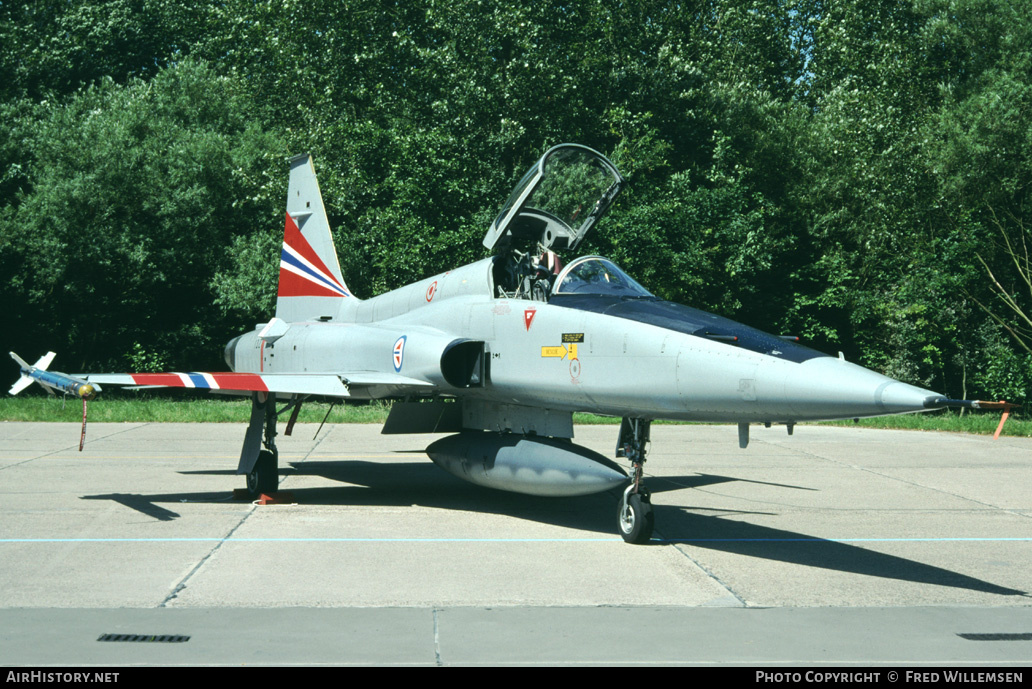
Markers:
528,317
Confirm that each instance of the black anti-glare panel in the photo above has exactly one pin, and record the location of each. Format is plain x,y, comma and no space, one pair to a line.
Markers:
685,319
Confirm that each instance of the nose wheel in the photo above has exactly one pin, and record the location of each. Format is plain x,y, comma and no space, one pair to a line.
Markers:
634,518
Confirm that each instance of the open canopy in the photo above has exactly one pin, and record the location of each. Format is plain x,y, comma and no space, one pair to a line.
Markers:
558,201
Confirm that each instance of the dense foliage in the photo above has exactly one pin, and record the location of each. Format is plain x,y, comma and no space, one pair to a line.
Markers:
856,173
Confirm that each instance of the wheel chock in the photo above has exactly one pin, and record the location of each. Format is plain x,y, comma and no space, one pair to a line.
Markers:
277,498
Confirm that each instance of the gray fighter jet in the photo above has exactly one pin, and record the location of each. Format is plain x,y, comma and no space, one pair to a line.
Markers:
501,352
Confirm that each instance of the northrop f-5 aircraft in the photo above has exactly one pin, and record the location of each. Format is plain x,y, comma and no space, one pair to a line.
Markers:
501,352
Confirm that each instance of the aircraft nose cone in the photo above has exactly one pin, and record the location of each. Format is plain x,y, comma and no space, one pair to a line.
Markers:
828,388
898,397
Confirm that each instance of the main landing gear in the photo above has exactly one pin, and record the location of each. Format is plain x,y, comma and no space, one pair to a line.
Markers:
264,477
260,466
635,520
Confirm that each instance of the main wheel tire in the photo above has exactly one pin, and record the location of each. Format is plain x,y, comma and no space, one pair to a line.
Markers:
264,477
634,519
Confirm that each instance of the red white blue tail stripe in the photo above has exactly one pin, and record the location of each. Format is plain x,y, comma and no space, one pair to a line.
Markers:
302,272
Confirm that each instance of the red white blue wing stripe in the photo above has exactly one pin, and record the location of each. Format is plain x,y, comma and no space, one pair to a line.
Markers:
299,384
326,384
302,272
203,381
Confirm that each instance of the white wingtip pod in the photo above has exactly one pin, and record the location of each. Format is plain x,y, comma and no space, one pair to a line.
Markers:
51,380
26,380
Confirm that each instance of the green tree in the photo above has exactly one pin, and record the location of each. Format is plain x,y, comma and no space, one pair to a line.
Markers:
49,49
913,137
129,199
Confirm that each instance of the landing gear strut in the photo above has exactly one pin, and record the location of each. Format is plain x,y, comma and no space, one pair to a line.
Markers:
261,467
635,520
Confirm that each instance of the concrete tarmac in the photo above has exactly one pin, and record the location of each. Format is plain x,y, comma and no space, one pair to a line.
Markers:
833,546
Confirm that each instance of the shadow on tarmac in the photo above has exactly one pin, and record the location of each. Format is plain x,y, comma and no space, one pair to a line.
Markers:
422,483
681,526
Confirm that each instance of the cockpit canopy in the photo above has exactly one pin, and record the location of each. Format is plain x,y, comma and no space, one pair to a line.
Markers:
553,207
597,275
558,201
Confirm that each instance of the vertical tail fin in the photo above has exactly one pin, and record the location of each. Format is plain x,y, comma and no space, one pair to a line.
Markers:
310,283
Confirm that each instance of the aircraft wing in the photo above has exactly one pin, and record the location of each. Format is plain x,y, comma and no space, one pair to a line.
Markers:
381,384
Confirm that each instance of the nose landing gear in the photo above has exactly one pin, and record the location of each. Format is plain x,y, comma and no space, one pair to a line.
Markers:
635,520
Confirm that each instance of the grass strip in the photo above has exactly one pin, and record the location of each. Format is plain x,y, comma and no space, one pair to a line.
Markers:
151,408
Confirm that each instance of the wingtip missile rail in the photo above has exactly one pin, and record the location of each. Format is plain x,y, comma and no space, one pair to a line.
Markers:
54,381
51,380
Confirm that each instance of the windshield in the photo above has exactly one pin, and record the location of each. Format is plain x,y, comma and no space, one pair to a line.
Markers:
597,275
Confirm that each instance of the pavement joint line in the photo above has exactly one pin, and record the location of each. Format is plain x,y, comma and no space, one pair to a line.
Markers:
702,568
713,577
997,508
72,447
182,584
229,536
317,442
898,479
437,639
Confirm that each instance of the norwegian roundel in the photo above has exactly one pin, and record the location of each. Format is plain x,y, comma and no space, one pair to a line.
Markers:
399,352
